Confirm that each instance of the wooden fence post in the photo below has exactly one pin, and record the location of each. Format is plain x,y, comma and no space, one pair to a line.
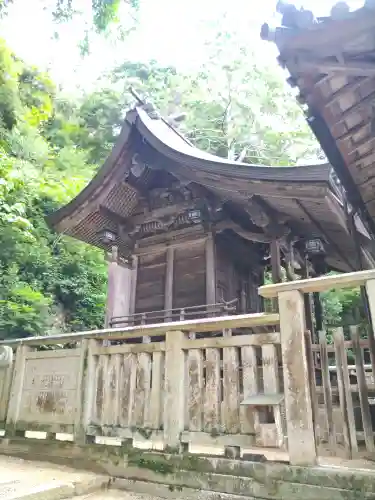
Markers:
85,392
301,440
174,401
84,383
16,389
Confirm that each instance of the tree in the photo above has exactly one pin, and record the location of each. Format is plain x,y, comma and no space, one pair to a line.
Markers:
102,12
46,283
51,146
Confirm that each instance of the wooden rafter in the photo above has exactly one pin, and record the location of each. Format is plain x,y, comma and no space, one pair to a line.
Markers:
359,106
349,87
352,131
362,142
355,68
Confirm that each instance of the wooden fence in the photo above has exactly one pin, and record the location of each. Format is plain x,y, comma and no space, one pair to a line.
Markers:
238,392
343,394
340,368
222,392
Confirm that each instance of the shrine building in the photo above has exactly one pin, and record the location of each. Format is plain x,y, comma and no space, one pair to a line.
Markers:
190,234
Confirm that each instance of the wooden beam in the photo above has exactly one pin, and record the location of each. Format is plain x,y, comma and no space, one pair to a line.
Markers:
348,68
162,212
321,284
194,325
160,247
247,235
175,238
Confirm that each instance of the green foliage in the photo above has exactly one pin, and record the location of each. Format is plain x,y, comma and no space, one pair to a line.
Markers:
51,146
47,283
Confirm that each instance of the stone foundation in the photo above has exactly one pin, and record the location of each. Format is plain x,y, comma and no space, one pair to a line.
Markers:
193,476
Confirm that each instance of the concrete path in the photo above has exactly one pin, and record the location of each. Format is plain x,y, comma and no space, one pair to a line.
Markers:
21,479
117,495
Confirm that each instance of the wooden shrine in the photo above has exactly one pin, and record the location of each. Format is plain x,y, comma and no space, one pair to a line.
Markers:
190,234
331,63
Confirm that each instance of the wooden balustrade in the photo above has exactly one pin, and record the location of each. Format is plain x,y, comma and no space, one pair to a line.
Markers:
239,392
201,311
332,424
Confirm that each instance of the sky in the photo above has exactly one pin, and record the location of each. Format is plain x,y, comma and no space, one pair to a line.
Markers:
170,31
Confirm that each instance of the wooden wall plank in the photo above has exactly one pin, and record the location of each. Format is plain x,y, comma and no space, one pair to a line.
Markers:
80,392
142,389
116,388
109,398
341,385
174,401
363,391
312,378
249,415
231,390
348,397
324,365
195,389
271,384
127,385
212,393
156,397
99,390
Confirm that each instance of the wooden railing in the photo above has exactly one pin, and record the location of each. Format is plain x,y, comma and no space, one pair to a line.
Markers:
173,394
177,314
257,393
342,393
336,403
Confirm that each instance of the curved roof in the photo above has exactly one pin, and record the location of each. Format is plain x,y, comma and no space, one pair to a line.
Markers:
331,61
300,195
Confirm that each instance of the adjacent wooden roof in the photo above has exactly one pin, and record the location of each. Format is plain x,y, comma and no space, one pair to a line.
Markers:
332,62
302,196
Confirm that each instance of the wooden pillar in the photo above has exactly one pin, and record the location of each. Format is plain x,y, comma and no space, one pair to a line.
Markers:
87,394
210,270
133,286
15,400
301,439
370,293
119,290
111,287
243,304
275,268
168,295
308,308
174,396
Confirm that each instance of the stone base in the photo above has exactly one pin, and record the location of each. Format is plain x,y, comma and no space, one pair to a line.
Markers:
195,477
